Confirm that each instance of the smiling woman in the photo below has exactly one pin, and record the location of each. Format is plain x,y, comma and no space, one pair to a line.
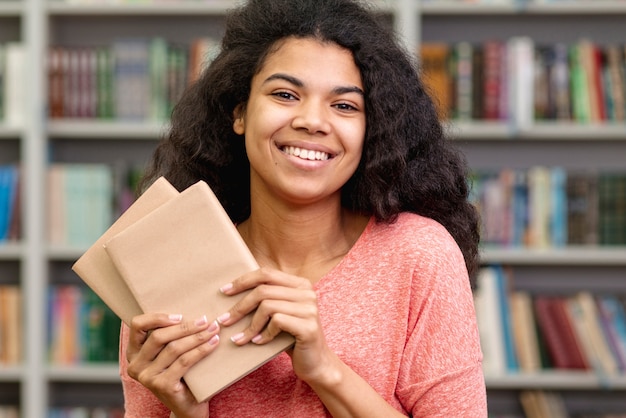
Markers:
315,132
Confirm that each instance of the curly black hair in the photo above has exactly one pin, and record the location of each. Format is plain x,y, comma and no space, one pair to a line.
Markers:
408,164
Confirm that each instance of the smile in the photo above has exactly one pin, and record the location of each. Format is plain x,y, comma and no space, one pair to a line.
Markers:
306,154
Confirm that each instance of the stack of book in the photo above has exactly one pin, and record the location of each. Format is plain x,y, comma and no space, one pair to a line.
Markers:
131,79
546,207
518,81
80,203
524,332
81,328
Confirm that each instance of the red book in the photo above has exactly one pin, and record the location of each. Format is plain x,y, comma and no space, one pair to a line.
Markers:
556,328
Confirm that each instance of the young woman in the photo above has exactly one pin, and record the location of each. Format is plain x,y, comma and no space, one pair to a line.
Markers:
314,130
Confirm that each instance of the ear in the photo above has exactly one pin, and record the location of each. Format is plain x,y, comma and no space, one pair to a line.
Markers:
239,125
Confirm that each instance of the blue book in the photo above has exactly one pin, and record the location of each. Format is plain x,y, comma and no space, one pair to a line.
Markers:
507,325
558,215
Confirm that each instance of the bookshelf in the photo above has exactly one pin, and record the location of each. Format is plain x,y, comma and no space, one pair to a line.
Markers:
493,145
35,385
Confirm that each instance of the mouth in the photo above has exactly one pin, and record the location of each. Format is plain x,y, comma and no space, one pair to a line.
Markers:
306,154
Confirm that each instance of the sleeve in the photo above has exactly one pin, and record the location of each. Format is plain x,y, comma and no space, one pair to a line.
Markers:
139,402
441,372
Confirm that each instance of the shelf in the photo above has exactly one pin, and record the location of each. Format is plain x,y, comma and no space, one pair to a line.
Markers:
180,8
94,129
597,7
88,373
570,256
10,373
8,132
62,253
161,8
11,250
556,380
540,131
11,8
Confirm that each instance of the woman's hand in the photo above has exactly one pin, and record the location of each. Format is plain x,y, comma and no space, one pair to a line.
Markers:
283,302
161,349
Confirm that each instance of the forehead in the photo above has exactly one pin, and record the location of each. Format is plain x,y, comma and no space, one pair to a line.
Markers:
301,54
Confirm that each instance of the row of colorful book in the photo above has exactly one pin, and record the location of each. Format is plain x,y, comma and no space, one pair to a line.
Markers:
519,81
130,79
523,332
11,84
84,199
86,412
81,327
9,203
10,325
543,207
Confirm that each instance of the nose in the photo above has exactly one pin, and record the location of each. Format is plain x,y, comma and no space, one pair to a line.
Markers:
312,116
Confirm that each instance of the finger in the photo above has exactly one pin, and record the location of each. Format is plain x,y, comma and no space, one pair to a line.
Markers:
263,293
261,276
141,325
302,329
173,357
156,338
266,321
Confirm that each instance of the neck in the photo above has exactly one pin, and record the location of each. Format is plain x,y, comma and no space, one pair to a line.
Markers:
307,242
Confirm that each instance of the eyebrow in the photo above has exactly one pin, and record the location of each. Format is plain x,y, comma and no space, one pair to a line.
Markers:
299,83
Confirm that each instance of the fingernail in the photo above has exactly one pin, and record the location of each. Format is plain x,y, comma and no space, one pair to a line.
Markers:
257,338
236,337
201,321
213,327
175,317
223,317
214,340
226,287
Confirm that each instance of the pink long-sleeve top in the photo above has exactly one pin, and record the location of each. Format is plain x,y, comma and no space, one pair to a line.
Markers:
397,309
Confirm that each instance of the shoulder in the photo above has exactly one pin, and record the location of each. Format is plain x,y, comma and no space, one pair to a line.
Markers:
416,240
412,231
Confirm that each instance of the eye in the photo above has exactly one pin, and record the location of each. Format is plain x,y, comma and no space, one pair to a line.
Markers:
346,107
285,95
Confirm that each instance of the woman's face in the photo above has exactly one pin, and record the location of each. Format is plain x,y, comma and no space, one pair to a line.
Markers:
304,123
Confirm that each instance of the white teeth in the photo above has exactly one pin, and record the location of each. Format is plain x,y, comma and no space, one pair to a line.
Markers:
306,154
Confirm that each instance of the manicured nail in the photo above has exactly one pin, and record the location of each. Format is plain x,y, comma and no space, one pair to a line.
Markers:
226,288
223,317
214,326
201,321
175,317
257,338
236,337
214,340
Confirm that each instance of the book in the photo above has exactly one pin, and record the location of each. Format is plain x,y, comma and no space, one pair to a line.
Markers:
562,343
582,208
490,322
587,325
10,327
14,82
434,61
95,268
612,320
524,333
492,84
175,259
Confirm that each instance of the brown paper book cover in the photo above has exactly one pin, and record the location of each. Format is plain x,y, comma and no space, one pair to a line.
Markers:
95,268
174,260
